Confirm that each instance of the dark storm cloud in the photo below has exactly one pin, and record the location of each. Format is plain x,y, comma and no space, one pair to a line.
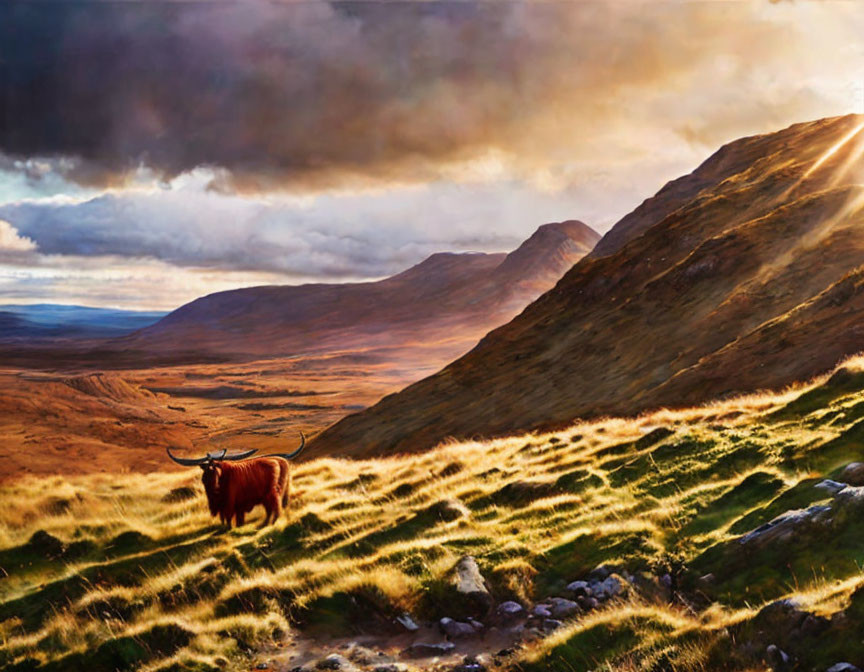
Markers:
308,95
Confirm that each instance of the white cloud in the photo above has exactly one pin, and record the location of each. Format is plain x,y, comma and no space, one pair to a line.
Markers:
11,242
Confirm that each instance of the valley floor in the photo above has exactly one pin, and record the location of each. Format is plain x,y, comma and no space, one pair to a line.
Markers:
707,539
94,421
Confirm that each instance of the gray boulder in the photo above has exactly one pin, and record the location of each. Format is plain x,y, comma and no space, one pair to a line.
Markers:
777,659
579,589
427,650
599,573
608,588
853,473
562,608
510,610
832,487
470,664
786,526
407,622
589,603
457,629
469,667
843,667
541,611
334,662
551,624
470,584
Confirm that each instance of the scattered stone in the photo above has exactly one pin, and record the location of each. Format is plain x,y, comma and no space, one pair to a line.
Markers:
843,667
541,611
389,667
579,589
853,473
831,486
786,526
471,584
707,580
407,622
777,659
814,625
608,588
551,624
478,626
360,655
849,496
473,666
427,650
562,608
457,629
505,653
262,666
333,662
510,610
599,573
588,603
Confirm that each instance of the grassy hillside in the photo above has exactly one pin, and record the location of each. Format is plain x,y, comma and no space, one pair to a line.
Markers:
129,572
745,275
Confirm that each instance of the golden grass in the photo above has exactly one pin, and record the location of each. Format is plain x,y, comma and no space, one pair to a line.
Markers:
363,526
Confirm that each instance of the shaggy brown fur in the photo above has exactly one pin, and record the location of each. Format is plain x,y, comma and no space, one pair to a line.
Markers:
234,489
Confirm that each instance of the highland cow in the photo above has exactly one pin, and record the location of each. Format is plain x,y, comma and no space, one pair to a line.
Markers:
236,484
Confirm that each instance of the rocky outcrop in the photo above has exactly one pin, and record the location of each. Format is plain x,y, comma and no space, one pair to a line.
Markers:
470,585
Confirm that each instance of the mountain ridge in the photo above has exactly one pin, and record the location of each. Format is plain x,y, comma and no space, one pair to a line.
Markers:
667,313
471,292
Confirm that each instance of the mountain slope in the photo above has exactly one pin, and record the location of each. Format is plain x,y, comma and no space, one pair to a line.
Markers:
744,275
450,297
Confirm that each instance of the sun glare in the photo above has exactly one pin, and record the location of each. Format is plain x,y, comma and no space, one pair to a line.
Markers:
834,149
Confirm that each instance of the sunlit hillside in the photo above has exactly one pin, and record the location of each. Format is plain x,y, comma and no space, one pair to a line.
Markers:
129,572
744,275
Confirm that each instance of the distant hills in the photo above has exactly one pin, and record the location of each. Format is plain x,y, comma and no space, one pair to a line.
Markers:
446,302
51,321
746,274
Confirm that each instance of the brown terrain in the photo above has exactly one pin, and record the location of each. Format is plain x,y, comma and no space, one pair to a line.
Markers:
745,275
249,368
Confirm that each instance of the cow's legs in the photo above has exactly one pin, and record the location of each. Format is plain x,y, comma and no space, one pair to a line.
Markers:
240,518
273,507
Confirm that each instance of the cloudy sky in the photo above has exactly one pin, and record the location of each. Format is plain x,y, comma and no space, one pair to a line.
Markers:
152,151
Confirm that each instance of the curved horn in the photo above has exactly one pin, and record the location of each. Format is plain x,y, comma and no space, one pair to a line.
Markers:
291,456
187,461
239,456
217,454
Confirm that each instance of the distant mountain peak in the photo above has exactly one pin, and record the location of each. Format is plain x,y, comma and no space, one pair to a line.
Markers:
449,296
572,228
